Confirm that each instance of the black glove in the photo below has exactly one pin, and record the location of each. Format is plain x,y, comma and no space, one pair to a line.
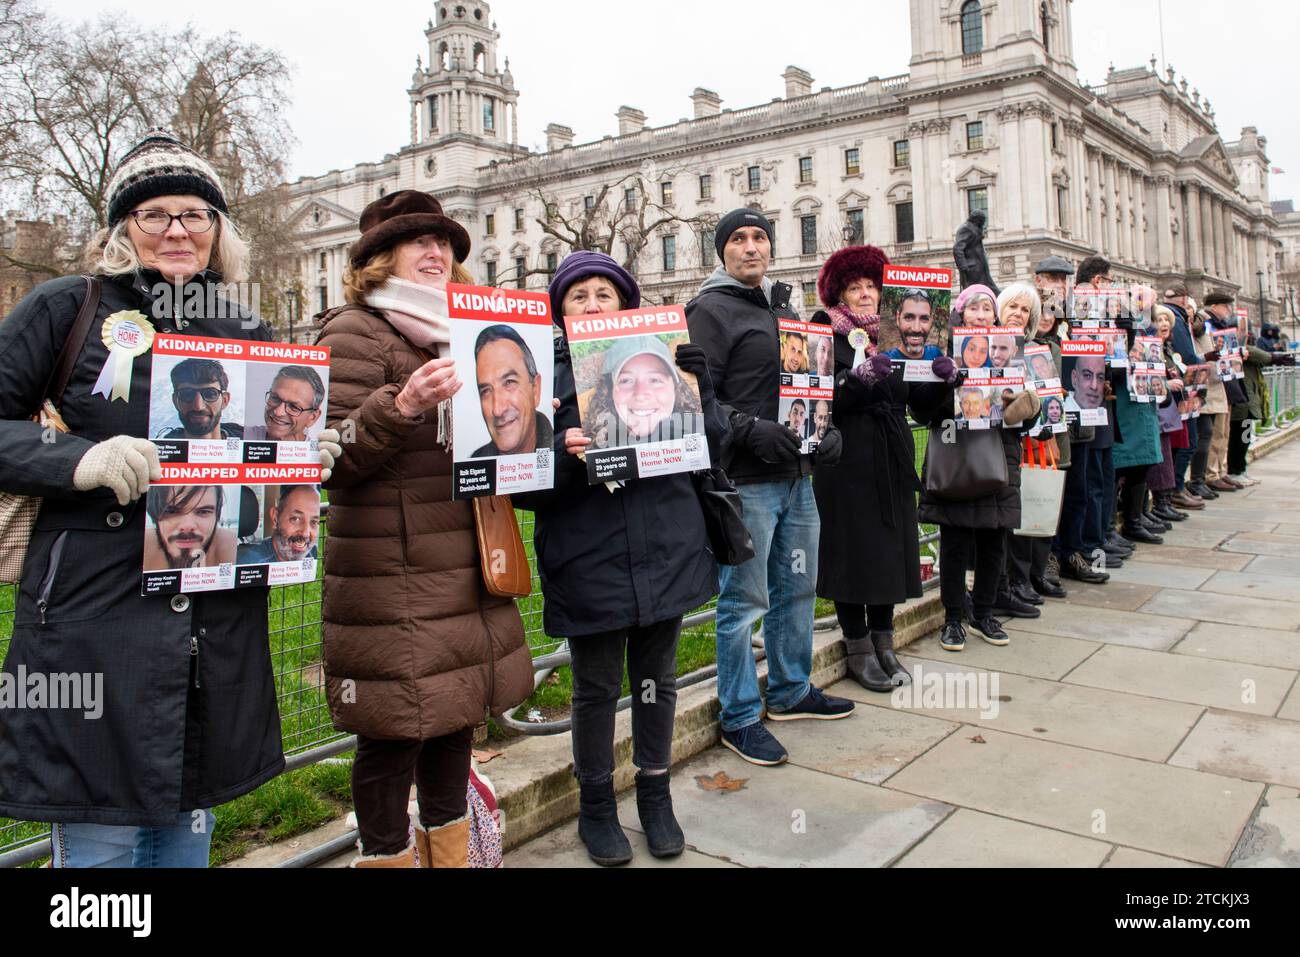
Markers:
1283,359
1211,356
830,448
691,358
773,442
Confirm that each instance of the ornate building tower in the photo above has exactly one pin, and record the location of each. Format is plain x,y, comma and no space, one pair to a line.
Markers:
463,92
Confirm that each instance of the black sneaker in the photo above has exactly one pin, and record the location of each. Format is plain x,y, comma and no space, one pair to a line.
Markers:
991,631
756,745
817,706
953,637
1047,588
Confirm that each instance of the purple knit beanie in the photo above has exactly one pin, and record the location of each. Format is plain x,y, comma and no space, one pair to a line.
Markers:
583,264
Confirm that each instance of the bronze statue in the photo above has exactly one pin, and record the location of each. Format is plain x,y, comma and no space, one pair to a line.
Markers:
968,252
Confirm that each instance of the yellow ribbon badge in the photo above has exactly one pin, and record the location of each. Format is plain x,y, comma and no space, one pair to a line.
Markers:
126,335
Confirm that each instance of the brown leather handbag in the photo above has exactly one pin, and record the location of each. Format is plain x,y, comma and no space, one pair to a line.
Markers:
506,572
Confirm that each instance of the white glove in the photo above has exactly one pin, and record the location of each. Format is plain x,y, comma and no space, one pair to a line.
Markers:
330,452
124,464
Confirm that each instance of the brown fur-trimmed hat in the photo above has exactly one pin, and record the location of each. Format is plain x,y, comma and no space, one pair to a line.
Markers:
848,265
404,215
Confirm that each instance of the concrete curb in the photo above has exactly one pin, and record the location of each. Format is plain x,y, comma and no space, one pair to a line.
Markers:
1265,444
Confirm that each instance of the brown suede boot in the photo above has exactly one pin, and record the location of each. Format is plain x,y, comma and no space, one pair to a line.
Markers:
446,846
404,858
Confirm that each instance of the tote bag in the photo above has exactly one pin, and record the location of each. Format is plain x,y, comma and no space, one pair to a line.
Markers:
1042,487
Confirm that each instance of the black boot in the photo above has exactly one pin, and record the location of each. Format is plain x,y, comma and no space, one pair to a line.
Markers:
654,805
864,667
1164,509
1134,528
598,825
883,641
1026,593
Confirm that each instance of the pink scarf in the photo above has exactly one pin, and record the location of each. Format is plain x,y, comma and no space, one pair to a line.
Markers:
418,312
844,320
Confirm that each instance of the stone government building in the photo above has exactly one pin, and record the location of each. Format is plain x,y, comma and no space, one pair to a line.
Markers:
991,115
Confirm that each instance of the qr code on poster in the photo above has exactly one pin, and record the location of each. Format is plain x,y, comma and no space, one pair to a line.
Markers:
543,458
691,442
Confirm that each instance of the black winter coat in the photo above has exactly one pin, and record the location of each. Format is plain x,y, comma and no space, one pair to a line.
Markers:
737,328
869,553
613,560
1001,509
179,730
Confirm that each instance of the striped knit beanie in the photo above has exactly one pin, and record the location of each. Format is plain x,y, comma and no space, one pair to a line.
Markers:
159,165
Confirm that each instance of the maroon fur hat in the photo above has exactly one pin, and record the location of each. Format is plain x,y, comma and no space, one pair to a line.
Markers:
404,215
848,265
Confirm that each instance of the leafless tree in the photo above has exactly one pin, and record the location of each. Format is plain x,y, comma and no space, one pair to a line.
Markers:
75,98
625,209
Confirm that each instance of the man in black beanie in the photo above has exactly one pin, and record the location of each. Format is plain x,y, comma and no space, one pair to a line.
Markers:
734,318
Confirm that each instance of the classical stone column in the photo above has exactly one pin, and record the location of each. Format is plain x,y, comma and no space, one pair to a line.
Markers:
1161,222
1195,248
1014,184
1231,266
1125,232
1207,232
1095,236
1110,194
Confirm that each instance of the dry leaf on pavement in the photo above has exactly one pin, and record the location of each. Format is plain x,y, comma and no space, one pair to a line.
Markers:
720,782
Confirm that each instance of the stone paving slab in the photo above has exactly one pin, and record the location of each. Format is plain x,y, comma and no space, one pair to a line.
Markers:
1115,594
869,746
1256,585
1259,646
1039,656
1191,535
1273,837
1075,790
1156,632
1285,528
1216,684
1227,521
1291,707
1188,557
1230,610
1147,572
1258,543
1250,747
789,816
561,847
1129,857
1047,710
1273,565
971,839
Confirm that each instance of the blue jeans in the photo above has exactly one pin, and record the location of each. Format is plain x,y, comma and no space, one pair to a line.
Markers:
1101,503
1183,457
778,586
183,844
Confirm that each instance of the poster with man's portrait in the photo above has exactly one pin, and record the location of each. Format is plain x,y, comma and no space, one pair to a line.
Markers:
642,413
1051,414
801,394
1040,368
1084,378
230,419
503,437
914,308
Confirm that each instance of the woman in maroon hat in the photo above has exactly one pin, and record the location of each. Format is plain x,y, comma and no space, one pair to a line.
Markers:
868,502
417,652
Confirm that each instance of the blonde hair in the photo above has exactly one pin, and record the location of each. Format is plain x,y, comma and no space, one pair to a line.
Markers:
359,282
111,252
1026,291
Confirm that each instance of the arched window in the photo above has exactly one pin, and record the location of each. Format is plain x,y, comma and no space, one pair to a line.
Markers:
444,56
480,57
1047,27
972,28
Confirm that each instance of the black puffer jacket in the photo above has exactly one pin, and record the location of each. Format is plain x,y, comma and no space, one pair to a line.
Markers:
611,560
184,725
737,327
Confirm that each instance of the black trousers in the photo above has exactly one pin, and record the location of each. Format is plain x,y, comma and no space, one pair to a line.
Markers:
958,547
1026,558
856,620
597,684
1204,436
1237,446
382,774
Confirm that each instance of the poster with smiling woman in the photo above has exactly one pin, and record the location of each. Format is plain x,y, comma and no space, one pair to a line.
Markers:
642,413
501,419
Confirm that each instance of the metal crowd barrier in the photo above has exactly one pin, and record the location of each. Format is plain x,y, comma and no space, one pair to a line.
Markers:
295,640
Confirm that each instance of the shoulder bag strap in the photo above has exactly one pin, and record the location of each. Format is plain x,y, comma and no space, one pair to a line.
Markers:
58,382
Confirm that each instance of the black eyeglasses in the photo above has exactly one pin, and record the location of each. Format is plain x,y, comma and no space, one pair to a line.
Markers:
157,221
273,401
186,395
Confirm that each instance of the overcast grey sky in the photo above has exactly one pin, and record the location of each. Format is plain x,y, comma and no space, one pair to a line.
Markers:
576,61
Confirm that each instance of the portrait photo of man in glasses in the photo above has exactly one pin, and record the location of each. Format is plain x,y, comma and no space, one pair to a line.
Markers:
200,395
291,406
